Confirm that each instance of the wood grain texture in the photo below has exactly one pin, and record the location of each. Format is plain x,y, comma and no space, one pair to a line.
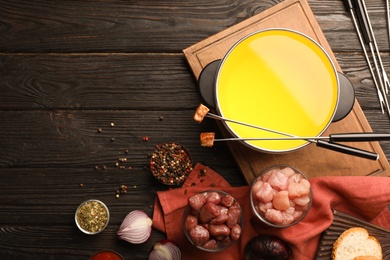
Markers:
169,26
68,68
106,81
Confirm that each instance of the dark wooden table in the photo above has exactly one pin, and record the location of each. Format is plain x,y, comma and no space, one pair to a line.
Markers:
70,68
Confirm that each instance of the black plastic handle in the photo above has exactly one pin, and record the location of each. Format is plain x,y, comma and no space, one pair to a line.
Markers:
348,150
358,137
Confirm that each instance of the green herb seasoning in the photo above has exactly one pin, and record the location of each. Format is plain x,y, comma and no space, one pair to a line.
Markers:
170,163
92,216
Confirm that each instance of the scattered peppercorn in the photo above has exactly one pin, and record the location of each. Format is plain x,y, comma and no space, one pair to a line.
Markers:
161,118
81,185
112,139
96,167
100,130
170,163
121,190
112,124
104,167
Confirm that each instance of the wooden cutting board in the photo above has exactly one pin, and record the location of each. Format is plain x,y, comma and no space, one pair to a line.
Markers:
312,160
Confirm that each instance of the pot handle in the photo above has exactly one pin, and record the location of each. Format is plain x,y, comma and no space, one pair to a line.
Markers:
206,83
347,150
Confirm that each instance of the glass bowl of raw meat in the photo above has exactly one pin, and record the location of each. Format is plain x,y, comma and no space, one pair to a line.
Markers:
212,220
281,196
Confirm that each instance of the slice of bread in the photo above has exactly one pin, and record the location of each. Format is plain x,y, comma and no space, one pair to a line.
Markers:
356,242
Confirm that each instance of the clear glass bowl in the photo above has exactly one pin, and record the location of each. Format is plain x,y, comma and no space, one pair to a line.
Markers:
92,216
217,229
281,196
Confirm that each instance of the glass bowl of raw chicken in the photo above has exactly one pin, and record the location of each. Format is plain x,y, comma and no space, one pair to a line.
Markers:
281,196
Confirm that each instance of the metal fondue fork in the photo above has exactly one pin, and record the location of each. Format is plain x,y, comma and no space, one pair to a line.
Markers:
382,101
318,140
371,31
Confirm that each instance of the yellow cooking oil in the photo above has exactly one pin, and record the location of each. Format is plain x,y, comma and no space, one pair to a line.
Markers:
278,80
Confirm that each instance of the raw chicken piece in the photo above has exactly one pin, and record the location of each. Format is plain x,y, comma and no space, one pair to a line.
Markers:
295,178
290,210
299,189
281,200
298,214
262,207
288,171
274,215
278,180
288,218
266,175
263,191
303,201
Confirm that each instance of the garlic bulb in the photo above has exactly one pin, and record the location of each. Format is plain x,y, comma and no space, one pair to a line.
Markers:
136,228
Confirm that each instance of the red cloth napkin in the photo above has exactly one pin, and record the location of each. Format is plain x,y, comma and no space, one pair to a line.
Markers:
361,196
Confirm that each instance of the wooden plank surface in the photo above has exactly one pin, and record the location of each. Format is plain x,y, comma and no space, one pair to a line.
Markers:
312,160
68,68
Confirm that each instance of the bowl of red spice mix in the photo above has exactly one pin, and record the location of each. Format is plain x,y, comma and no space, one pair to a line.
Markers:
170,163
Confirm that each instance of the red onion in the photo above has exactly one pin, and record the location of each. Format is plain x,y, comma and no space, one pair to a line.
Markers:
267,247
165,250
136,228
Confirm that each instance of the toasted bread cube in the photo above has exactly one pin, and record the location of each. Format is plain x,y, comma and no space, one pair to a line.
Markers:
207,139
200,113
